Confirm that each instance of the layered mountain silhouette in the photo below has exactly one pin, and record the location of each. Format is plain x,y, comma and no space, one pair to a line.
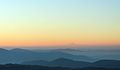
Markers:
53,58
19,55
62,62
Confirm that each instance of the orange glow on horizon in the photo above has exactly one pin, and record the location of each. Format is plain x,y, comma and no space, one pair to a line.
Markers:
52,43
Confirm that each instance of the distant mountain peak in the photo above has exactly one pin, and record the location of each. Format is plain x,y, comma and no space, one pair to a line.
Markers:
20,50
3,50
68,50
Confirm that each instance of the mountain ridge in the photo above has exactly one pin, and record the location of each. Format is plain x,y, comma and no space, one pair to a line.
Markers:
19,55
63,62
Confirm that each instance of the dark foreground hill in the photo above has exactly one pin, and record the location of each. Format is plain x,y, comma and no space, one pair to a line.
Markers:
35,67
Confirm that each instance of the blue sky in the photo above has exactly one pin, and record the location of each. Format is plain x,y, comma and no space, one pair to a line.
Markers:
59,22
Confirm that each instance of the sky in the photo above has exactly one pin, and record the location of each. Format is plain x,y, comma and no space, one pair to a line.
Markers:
59,22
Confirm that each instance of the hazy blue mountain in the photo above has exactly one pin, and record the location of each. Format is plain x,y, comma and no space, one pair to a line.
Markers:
58,54
56,58
107,64
62,62
110,53
36,62
21,50
68,50
19,55
3,50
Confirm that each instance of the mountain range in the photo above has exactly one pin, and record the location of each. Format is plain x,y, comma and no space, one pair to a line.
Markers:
54,58
20,55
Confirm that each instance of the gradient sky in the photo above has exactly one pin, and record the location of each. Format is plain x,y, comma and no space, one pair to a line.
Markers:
59,22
